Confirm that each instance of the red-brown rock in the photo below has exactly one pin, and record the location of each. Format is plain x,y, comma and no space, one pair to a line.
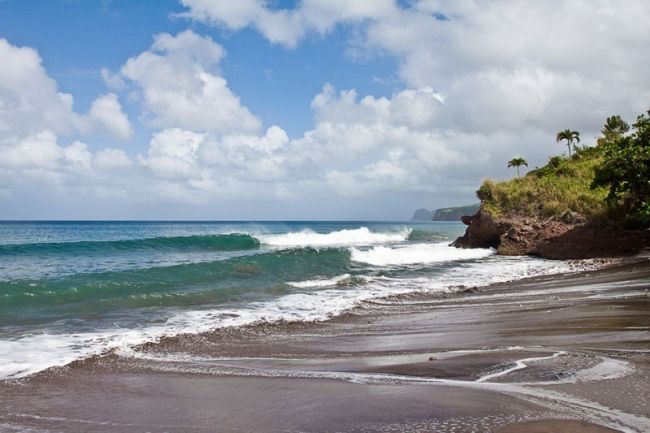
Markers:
568,237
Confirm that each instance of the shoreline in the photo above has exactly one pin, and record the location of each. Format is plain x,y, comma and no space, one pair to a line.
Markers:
495,358
29,353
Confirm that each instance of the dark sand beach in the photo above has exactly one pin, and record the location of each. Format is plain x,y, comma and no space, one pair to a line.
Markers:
563,353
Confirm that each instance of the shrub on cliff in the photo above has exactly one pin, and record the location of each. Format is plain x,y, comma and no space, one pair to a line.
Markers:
625,169
550,191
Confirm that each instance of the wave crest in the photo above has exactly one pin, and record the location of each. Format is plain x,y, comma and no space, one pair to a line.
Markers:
345,237
219,242
416,254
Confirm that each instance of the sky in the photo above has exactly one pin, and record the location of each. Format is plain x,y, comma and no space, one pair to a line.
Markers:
298,110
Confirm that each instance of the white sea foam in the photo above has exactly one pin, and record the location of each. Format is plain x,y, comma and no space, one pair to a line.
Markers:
416,254
519,365
360,236
608,368
325,282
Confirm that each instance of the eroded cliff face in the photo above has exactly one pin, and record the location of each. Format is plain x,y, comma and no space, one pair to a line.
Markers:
567,237
483,231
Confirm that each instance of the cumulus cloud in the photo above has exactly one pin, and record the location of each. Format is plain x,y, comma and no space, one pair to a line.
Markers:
39,151
358,145
480,83
78,155
285,27
30,101
173,153
107,112
29,98
112,80
182,88
111,158
40,132
42,152
498,64
507,65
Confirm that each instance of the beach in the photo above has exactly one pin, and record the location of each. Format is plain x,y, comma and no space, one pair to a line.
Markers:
318,216
566,352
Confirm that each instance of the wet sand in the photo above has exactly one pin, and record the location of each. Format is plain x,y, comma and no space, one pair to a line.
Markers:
567,353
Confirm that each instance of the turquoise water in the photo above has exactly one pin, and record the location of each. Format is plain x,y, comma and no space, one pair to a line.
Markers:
70,289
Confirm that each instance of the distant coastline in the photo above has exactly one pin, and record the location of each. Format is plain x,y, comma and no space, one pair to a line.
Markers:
445,214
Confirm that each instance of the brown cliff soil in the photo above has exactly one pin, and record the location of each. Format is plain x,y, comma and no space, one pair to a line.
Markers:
566,237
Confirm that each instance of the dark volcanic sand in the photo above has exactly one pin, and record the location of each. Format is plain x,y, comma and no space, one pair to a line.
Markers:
568,353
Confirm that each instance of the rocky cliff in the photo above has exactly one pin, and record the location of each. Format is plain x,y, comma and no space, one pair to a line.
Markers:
566,237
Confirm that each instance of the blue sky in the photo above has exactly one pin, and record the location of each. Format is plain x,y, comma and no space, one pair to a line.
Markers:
200,109
263,75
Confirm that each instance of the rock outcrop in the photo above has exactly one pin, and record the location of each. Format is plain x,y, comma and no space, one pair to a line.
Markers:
483,231
568,237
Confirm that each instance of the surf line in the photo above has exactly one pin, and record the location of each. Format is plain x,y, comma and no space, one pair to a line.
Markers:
519,365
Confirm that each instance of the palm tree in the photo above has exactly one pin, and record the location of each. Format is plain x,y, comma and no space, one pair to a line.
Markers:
569,136
615,126
516,163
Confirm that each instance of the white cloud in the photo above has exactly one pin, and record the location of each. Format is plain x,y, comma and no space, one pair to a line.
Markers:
500,65
30,101
285,26
110,158
181,86
252,158
173,153
107,111
482,82
113,81
38,151
78,155
42,152
504,65
29,98
40,131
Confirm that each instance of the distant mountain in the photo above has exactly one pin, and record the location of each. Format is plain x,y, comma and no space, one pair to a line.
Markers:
422,215
444,214
455,213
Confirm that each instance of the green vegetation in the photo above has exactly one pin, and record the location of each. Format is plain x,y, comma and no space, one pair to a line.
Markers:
625,170
569,136
516,163
614,127
608,182
561,185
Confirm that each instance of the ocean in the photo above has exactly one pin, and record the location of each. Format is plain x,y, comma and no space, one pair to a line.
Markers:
70,290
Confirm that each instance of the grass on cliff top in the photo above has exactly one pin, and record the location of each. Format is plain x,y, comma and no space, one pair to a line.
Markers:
561,185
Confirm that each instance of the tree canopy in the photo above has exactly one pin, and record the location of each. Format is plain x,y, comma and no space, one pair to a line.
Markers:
626,168
516,163
568,135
